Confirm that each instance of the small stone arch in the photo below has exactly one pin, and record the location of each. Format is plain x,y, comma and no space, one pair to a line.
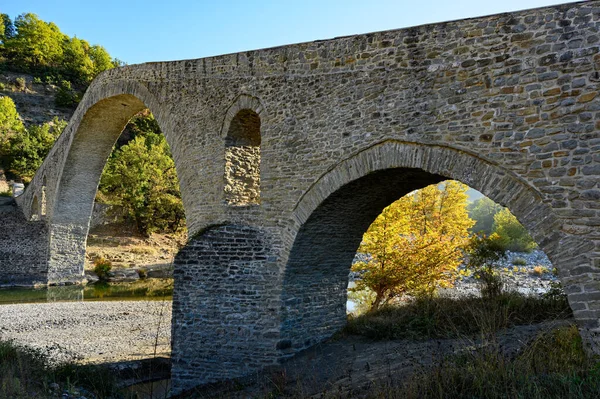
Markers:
333,214
242,137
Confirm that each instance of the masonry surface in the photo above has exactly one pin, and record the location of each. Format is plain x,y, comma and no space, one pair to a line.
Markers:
508,104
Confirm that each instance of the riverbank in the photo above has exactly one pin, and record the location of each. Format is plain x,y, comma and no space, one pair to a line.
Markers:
91,332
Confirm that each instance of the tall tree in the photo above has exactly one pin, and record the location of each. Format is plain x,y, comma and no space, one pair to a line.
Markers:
513,235
27,150
140,176
415,245
10,122
482,212
36,44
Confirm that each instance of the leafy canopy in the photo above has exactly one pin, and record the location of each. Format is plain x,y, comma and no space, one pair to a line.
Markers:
141,178
513,236
415,245
27,150
35,46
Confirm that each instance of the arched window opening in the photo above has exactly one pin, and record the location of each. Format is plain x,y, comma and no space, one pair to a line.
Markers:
242,159
35,209
43,208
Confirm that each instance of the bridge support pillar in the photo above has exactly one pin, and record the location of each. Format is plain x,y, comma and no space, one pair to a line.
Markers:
225,306
67,253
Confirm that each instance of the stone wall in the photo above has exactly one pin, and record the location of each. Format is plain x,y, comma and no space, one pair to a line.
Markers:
508,104
23,248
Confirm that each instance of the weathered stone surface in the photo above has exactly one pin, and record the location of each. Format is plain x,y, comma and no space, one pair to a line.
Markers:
507,104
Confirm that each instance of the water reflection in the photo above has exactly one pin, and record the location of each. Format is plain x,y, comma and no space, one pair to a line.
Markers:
138,290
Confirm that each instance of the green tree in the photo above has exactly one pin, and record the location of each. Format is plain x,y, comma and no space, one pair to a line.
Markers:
513,236
37,43
10,123
101,60
7,29
416,244
484,253
27,150
482,212
78,66
141,177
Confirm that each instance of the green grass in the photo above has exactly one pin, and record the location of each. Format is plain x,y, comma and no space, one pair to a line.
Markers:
29,373
553,366
430,318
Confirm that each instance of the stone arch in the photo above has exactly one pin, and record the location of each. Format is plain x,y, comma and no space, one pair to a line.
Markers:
333,214
242,136
91,136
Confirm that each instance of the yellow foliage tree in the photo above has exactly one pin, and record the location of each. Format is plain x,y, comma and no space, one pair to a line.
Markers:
415,245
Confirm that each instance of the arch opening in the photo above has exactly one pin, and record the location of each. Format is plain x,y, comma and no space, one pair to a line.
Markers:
242,159
333,215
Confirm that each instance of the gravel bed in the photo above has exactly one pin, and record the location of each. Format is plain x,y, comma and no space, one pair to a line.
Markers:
91,332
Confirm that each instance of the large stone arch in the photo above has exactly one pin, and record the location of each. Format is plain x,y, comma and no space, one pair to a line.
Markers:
334,213
89,139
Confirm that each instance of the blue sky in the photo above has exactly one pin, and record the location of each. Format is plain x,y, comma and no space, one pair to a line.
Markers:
140,31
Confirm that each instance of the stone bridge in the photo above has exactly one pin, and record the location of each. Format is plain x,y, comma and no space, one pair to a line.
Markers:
286,155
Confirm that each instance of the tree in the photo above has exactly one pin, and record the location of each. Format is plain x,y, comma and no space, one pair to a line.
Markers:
484,253
78,65
141,177
37,43
10,123
482,212
513,236
101,60
28,149
415,245
7,29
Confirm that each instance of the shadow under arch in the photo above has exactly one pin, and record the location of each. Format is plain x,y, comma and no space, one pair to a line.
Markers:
91,135
334,213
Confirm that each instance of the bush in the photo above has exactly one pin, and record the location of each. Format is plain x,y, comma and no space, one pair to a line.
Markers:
20,84
519,262
65,96
142,273
513,236
484,252
102,268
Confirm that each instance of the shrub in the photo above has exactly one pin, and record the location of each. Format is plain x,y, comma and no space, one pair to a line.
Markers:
102,268
66,96
37,80
519,262
20,83
142,273
484,253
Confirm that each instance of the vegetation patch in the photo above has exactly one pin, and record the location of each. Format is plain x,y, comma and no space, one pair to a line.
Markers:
431,318
554,365
28,373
